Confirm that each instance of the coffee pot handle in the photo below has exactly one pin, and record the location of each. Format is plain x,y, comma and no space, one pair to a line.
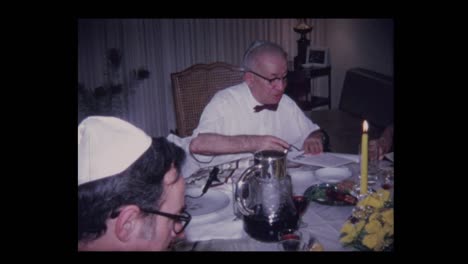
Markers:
241,192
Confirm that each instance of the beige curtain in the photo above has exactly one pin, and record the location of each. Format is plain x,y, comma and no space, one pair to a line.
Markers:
164,46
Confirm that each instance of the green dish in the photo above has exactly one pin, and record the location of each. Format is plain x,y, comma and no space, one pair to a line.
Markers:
330,194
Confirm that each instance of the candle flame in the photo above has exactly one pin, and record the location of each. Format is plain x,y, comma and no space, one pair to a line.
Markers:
365,126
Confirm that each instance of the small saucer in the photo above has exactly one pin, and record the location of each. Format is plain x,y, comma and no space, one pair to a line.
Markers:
330,194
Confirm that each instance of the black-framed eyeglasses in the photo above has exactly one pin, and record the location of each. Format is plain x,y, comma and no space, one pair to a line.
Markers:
272,80
182,219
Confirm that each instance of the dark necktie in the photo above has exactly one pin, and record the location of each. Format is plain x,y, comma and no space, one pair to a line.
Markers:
271,107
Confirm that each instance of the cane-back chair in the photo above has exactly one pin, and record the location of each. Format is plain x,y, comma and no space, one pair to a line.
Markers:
194,87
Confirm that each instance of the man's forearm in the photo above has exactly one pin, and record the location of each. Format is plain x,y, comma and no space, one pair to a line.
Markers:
215,144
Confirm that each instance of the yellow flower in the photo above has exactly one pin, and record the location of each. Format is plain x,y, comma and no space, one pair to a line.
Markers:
374,216
363,202
376,199
347,238
373,241
387,216
388,229
349,231
373,227
359,213
359,225
348,228
384,194
375,202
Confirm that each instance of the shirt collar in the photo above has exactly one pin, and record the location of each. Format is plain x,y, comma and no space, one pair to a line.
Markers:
251,101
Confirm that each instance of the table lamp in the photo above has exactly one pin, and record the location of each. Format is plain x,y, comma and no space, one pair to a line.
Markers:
302,28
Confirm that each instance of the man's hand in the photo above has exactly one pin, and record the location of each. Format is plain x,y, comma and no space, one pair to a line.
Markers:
378,148
313,143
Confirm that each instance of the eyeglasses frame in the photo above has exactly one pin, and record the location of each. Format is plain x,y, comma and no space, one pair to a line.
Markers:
185,216
270,81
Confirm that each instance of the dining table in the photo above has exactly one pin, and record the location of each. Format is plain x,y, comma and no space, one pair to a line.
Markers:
215,225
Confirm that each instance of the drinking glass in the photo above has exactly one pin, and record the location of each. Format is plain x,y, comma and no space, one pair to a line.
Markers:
290,240
386,178
300,202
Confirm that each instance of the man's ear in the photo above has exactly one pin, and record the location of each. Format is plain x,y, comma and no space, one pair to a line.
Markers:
170,176
248,77
127,222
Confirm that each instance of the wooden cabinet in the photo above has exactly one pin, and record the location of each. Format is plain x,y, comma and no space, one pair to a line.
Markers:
299,87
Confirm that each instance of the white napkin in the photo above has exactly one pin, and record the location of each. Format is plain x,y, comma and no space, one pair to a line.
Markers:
190,166
389,156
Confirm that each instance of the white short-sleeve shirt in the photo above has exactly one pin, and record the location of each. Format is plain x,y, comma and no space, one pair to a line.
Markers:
230,112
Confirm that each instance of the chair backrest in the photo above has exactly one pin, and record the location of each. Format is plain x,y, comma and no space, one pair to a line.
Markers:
194,87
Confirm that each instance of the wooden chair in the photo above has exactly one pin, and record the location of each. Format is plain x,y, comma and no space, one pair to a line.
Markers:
194,87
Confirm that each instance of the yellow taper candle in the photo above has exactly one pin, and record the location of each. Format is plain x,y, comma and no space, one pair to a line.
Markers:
364,150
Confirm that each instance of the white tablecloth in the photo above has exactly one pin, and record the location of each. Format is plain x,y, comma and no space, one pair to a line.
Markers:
219,231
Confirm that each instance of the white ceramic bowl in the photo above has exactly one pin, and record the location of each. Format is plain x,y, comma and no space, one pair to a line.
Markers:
332,175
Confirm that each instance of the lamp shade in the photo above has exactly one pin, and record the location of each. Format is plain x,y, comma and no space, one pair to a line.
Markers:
302,27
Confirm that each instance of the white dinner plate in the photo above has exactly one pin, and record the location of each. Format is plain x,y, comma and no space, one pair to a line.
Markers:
332,175
211,201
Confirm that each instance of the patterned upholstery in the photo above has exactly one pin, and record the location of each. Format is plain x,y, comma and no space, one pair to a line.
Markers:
194,87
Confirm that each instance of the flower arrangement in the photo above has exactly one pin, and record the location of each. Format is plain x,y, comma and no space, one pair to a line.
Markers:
370,227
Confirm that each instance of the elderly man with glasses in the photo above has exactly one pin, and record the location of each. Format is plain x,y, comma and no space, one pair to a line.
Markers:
130,191
255,114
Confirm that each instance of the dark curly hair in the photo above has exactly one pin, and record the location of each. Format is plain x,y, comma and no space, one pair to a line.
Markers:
140,185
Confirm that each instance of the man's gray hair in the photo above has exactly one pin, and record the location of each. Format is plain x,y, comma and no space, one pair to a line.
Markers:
259,47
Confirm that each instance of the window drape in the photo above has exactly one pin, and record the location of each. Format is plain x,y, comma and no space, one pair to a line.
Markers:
164,46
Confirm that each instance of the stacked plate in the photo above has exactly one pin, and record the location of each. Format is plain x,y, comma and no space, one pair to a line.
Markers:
333,175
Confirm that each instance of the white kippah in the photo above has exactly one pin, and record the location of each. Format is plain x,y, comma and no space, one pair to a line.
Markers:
107,146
